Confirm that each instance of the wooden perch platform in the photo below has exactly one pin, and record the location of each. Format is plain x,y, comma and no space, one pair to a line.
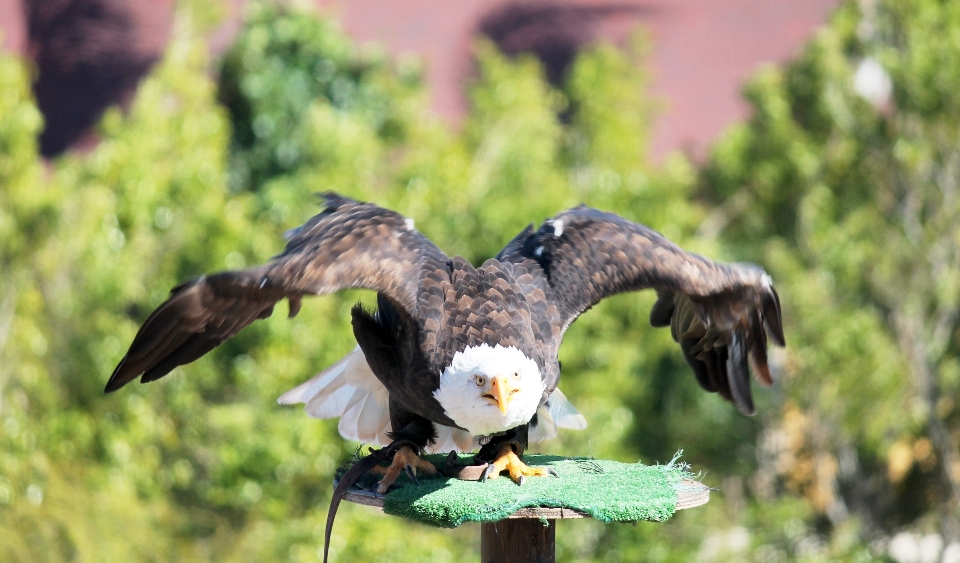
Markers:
692,495
522,537
514,519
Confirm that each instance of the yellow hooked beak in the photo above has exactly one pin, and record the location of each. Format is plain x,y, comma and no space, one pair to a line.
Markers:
501,391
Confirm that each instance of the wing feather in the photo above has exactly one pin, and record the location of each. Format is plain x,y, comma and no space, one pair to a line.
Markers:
347,245
721,314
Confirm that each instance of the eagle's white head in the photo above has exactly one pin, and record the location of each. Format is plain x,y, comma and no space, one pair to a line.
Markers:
490,389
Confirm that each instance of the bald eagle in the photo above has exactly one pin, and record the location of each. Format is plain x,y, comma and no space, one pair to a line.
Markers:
456,356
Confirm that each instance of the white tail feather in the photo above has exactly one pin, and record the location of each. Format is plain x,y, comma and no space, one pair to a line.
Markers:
556,412
449,438
465,441
349,390
349,420
372,421
332,405
545,428
318,383
564,414
444,441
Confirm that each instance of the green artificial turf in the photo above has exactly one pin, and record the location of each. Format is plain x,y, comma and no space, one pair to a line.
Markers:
609,491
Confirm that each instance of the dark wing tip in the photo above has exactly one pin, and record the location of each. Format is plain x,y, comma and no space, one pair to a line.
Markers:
199,316
756,348
116,379
722,359
738,374
773,317
127,370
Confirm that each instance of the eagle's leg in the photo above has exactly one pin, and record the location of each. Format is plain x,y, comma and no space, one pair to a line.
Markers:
504,453
414,433
405,460
508,460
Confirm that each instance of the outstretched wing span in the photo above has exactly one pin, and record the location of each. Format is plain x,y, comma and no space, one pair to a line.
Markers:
348,245
721,314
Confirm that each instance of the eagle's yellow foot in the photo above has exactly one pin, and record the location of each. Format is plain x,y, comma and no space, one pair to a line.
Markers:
404,460
508,460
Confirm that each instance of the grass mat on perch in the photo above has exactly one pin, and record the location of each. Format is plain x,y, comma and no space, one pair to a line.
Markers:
608,491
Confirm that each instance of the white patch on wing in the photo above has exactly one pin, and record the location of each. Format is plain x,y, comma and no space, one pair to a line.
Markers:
558,227
347,389
538,251
461,398
409,223
556,412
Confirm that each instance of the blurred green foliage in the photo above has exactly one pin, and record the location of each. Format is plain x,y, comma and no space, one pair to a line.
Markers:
852,200
851,206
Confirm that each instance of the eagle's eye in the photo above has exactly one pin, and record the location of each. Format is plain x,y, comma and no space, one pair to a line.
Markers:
480,380
516,375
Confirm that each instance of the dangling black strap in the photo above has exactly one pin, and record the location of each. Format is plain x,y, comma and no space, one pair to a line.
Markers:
351,477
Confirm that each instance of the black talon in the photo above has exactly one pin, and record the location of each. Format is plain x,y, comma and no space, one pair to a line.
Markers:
487,471
411,474
521,480
552,471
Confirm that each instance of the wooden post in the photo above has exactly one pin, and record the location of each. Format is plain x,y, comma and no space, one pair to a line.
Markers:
518,540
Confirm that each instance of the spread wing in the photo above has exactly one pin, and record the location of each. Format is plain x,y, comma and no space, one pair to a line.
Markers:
721,314
348,245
